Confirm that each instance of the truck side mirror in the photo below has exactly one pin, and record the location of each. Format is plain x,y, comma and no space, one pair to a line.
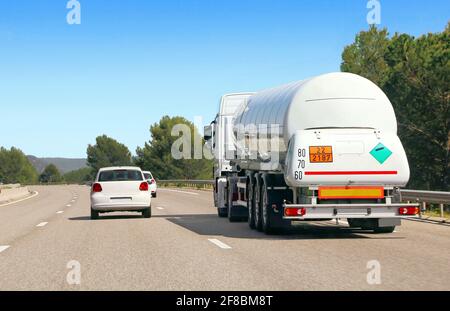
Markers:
208,132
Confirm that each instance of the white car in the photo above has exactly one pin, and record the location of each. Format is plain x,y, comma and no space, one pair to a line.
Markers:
152,182
120,189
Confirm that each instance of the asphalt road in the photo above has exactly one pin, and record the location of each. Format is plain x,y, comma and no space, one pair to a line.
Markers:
185,246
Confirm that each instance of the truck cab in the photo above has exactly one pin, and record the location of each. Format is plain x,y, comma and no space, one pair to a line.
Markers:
221,141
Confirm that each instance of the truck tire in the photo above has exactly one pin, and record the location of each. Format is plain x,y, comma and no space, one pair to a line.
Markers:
265,219
353,223
369,224
222,212
258,211
94,214
384,230
231,215
268,226
251,204
147,213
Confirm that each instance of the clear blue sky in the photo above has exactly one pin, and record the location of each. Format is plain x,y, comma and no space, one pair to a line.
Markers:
132,61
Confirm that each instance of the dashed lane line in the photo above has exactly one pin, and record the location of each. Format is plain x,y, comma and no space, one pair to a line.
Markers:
42,224
3,248
219,244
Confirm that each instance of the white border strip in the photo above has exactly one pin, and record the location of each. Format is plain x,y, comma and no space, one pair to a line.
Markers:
14,202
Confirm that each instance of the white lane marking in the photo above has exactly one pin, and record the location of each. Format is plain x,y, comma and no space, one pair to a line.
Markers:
3,248
219,243
68,205
42,224
179,191
32,196
59,212
160,208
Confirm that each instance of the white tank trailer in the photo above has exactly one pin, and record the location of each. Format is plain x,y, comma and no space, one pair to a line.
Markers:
319,149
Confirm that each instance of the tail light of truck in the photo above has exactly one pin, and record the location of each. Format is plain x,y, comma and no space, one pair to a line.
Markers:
294,211
143,186
408,211
97,187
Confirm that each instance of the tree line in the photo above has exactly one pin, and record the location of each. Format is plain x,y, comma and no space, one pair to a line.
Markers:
414,73
15,167
155,155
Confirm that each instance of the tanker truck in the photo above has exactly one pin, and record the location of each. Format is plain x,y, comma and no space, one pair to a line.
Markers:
319,149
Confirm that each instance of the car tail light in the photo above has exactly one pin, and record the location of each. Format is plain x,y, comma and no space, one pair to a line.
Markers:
97,187
294,211
408,210
143,186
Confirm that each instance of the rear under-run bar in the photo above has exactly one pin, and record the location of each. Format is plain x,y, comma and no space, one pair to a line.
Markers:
330,211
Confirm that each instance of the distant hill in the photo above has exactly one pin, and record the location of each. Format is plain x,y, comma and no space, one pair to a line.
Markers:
63,164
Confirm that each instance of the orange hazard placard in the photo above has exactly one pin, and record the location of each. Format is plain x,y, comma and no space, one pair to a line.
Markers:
321,154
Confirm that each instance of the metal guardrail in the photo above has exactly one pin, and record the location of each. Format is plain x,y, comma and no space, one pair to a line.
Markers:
425,197
199,184
438,197
184,181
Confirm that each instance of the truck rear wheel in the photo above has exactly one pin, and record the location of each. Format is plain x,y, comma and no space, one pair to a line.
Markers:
384,230
251,205
268,226
231,211
222,212
258,211
371,224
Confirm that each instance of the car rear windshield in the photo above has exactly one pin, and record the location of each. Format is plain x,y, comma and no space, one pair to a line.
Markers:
148,176
120,175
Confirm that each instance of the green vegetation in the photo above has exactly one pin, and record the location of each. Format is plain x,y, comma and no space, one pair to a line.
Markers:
16,168
107,152
50,174
79,176
156,155
435,212
414,73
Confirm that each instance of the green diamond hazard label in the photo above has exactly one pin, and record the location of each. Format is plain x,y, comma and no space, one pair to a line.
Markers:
381,153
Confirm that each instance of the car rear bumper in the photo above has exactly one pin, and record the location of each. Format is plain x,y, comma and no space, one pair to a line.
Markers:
119,207
100,202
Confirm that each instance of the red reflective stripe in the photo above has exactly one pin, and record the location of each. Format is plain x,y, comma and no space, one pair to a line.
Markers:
353,173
